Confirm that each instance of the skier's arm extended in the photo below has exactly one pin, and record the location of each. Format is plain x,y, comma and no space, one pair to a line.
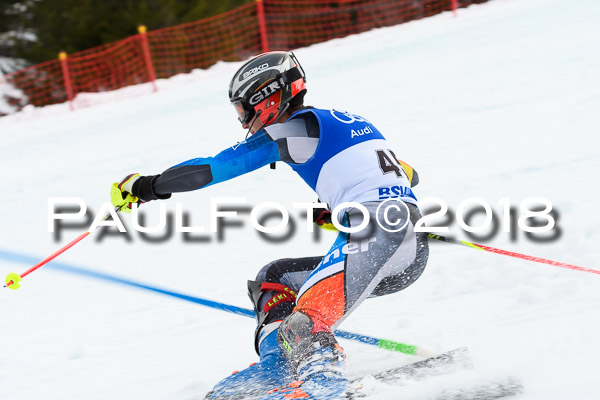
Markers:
259,150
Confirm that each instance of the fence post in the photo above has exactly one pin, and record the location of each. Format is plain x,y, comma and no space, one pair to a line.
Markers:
260,11
62,56
454,6
147,60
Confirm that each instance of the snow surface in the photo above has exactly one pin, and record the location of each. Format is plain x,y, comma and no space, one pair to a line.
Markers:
500,102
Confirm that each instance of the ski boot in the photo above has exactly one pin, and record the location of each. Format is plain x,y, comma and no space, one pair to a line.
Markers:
271,371
272,303
316,361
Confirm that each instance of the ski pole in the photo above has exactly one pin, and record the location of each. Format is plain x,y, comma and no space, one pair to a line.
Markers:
13,279
373,341
512,254
385,344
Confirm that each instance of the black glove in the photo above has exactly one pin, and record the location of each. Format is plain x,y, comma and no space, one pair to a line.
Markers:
321,216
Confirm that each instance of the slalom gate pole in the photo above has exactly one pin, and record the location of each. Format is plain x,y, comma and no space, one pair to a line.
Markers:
385,344
13,279
512,254
369,340
373,341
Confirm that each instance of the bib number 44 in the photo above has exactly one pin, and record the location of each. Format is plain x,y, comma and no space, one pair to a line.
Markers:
388,162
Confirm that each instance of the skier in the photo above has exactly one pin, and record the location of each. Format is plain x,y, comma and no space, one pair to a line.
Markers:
299,302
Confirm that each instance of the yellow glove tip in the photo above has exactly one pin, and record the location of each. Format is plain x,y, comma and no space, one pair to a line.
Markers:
328,227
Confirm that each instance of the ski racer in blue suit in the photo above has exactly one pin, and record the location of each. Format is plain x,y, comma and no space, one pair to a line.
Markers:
299,302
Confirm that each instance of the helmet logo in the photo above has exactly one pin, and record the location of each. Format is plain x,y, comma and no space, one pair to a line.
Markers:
254,70
265,92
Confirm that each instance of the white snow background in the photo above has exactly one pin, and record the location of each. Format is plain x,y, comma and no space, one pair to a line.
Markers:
502,101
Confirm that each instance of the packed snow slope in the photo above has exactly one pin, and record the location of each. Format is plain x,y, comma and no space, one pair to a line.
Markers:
500,102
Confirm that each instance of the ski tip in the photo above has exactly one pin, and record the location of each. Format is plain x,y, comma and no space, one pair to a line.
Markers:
497,388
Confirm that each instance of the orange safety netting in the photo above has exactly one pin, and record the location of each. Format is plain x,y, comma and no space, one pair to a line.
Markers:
230,36
108,67
234,35
299,23
42,84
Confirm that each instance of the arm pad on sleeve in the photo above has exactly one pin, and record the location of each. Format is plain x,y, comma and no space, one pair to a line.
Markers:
143,189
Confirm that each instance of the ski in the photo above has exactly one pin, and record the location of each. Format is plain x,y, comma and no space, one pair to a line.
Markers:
453,361
445,363
449,362
493,389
